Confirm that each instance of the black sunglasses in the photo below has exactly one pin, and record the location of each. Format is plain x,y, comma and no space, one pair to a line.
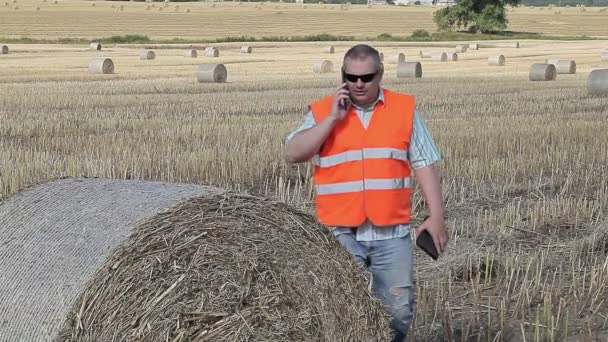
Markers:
354,78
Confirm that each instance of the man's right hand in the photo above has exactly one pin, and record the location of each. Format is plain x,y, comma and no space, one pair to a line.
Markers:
341,97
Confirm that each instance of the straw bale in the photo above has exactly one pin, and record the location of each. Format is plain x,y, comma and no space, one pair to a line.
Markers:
381,54
147,55
101,65
409,70
3,50
562,66
425,54
329,49
604,56
190,53
55,236
322,67
516,45
246,49
228,267
498,60
473,46
187,10
461,48
597,83
211,73
452,56
543,72
95,46
439,57
212,52
398,58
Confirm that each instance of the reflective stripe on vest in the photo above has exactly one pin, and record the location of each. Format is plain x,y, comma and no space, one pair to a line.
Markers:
367,184
357,155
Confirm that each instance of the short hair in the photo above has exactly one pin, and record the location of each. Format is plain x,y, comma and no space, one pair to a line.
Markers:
361,52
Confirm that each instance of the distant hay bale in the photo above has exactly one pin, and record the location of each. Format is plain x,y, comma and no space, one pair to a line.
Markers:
381,56
452,56
516,45
212,52
95,46
211,73
543,72
187,10
246,49
329,49
563,66
148,8
498,60
147,55
121,8
398,58
16,8
425,53
101,65
160,9
604,56
322,67
190,53
597,83
409,70
3,50
93,4
439,57
461,48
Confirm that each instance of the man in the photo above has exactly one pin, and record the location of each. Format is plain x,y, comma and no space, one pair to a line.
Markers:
364,141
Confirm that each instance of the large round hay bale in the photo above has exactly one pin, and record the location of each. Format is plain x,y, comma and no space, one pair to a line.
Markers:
562,66
149,261
101,65
95,46
597,82
473,46
439,57
56,236
381,54
409,70
212,52
461,48
3,50
190,53
246,49
498,60
543,72
211,73
426,53
398,58
516,45
452,56
147,55
329,49
322,67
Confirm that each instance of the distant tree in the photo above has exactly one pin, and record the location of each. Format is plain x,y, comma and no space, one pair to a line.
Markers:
475,15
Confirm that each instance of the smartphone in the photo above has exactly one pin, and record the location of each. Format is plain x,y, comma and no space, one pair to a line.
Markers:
426,243
346,102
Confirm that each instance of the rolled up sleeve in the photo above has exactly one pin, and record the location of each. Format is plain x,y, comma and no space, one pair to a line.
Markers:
422,150
309,122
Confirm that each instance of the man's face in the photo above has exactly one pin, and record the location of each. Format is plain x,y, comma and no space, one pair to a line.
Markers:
362,93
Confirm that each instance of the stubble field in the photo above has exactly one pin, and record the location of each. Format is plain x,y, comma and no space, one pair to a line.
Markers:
524,166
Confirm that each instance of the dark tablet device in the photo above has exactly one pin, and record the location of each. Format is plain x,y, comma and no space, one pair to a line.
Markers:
426,243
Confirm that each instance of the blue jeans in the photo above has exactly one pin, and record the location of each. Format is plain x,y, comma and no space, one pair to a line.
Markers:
391,264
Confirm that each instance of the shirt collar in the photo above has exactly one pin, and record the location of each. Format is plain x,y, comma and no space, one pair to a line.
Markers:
373,105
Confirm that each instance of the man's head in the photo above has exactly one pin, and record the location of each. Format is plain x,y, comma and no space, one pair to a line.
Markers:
362,71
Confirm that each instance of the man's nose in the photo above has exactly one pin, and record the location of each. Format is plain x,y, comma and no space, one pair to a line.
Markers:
359,83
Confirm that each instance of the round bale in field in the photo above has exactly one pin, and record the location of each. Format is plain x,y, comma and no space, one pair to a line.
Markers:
409,70
543,72
322,67
516,45
97,260
425,54
211,73
439,57
95,46
381,54
398,58
190,53
498,60
461,48
3,49
597,83
452,56
329,49
562,66
212,52
246,49
147,55
101,65
473,46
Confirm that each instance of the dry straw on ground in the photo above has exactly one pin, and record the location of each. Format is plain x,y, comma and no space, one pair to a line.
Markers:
604,56
398,58
542,72
322,66
211,73
498,60
409,70
597,83
212,52
246,49
3,50
190,53
95,46
439,57
147,55
101,65
562,66
228,267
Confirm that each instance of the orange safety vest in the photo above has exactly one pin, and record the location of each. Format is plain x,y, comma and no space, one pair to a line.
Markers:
363,173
